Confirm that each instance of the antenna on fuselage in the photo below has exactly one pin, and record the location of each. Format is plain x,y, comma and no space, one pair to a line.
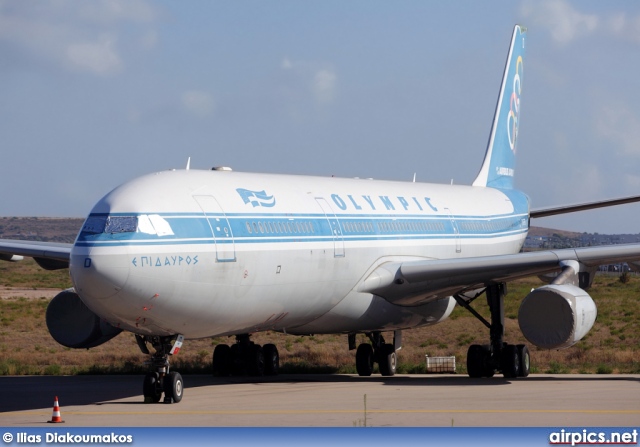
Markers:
188,163
414,177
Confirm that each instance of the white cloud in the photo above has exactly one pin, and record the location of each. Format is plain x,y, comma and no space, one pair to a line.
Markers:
76,35
619,124
197,102
97,57
324,85
624,27
318,78
590,178
106,11
564,22
149,40
286,64
632,182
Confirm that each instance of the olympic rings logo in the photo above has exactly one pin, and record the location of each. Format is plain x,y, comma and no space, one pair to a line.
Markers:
514,105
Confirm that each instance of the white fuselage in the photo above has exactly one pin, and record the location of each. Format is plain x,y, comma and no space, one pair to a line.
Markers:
206,253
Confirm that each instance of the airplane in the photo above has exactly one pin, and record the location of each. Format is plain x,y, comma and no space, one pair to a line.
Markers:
187,254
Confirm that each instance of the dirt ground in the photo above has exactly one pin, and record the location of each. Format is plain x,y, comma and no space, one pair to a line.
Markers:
19,292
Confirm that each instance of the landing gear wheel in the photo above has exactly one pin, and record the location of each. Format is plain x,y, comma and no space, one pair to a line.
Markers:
387,360
255,361
525,360
364,359
151,389
475,361
271,360
510,361
173,387
236,362
479,361
221,362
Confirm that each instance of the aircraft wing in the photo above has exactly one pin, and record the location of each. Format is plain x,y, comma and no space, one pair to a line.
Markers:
49,255
415,282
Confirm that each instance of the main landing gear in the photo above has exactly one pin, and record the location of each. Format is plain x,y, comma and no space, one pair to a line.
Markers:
160,380
498,356
377,352
245,358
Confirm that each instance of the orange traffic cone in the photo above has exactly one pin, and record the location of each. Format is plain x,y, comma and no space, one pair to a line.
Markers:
56,418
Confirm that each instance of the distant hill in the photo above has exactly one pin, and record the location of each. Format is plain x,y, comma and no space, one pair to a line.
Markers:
47,229
549,232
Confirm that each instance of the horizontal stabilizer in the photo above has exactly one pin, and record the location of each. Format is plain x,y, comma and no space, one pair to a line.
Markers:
582,207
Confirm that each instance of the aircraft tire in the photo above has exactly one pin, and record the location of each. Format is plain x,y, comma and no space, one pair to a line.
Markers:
271,360
221,361
510,361
364,359
475,361
236,360
151,390
387,360
255,361
525,360
173,387
489,370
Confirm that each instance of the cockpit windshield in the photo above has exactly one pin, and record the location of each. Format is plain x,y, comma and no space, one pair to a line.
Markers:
110,224
148,224
121,224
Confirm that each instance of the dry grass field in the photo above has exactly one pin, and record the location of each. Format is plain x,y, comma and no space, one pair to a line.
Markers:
612,346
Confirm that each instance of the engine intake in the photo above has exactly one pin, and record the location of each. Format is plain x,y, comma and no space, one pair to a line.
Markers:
556,316
73,325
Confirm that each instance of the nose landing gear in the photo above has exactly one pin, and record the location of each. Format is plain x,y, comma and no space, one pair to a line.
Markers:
160,380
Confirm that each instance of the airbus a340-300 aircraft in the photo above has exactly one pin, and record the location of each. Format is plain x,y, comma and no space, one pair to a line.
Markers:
192,253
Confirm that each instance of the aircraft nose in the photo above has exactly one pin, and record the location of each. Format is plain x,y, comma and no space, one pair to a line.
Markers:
97,276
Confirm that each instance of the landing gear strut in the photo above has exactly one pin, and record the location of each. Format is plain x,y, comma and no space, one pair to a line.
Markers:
245,358
160,380
498,356
377,352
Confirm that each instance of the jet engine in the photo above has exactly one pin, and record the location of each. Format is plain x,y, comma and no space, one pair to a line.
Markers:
556,316
73,325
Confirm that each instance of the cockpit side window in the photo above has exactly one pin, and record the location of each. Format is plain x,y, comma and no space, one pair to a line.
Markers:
94,224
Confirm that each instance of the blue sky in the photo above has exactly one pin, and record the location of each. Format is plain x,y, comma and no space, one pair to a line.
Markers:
96,93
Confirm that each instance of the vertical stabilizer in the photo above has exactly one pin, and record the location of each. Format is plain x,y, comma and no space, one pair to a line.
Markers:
499,162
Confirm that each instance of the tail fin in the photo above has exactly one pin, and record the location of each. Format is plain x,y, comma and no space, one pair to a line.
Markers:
499,161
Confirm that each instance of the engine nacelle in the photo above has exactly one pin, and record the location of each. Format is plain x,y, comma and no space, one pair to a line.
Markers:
556,316
73,325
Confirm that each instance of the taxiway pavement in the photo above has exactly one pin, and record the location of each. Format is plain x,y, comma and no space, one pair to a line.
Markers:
329,401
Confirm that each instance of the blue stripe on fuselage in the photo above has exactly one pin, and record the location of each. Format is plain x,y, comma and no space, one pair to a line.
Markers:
257,228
